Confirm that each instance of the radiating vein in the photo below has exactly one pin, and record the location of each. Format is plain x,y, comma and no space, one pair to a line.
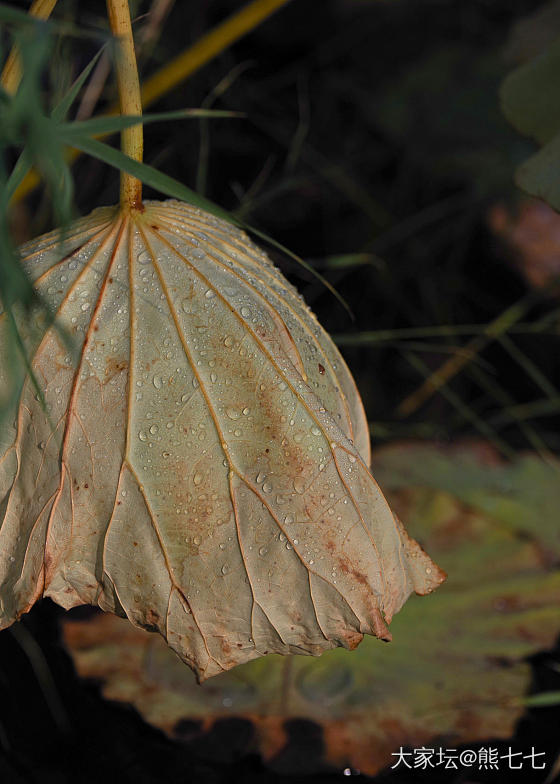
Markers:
273,293
167,561
280,372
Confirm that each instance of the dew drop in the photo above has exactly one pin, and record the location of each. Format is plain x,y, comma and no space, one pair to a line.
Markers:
197,478
143,257
225,569
232,413
263,550
315,431
157,381
289,519
197,540
210,294
299,485
228,341
142,435
282,537
154,429
267,487
245,311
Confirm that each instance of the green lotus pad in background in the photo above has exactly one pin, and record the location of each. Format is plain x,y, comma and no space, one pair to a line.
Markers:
456,668
528,97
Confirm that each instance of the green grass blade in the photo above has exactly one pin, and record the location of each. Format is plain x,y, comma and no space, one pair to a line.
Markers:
171,187
532,371
543,700
60,111
466,412
98,126
23,165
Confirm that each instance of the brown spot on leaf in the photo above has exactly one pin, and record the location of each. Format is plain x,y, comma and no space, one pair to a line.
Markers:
114,366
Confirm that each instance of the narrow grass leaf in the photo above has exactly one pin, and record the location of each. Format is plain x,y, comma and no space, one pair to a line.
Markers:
172,187
98,126
461,406
60,111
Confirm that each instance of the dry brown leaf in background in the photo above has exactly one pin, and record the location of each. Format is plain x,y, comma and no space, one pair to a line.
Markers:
533,234
203,467
456,669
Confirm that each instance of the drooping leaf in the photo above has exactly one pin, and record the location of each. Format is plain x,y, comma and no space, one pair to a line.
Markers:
202,467
456,671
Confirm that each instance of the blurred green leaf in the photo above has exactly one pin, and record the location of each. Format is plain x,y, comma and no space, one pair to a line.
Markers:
540,175
529,98
11,15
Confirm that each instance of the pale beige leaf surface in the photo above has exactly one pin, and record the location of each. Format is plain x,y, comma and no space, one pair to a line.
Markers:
196,468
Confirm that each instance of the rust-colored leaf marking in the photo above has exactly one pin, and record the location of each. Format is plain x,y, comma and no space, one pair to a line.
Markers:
202,468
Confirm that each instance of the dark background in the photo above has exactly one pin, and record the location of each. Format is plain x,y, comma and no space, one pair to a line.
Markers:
372,127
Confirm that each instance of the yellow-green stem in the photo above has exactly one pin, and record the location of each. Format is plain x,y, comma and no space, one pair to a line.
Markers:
11,75
132,142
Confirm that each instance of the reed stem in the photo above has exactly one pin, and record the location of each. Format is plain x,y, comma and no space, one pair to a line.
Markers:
132,139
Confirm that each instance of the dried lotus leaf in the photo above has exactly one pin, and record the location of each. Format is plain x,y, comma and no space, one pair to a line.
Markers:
202,467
